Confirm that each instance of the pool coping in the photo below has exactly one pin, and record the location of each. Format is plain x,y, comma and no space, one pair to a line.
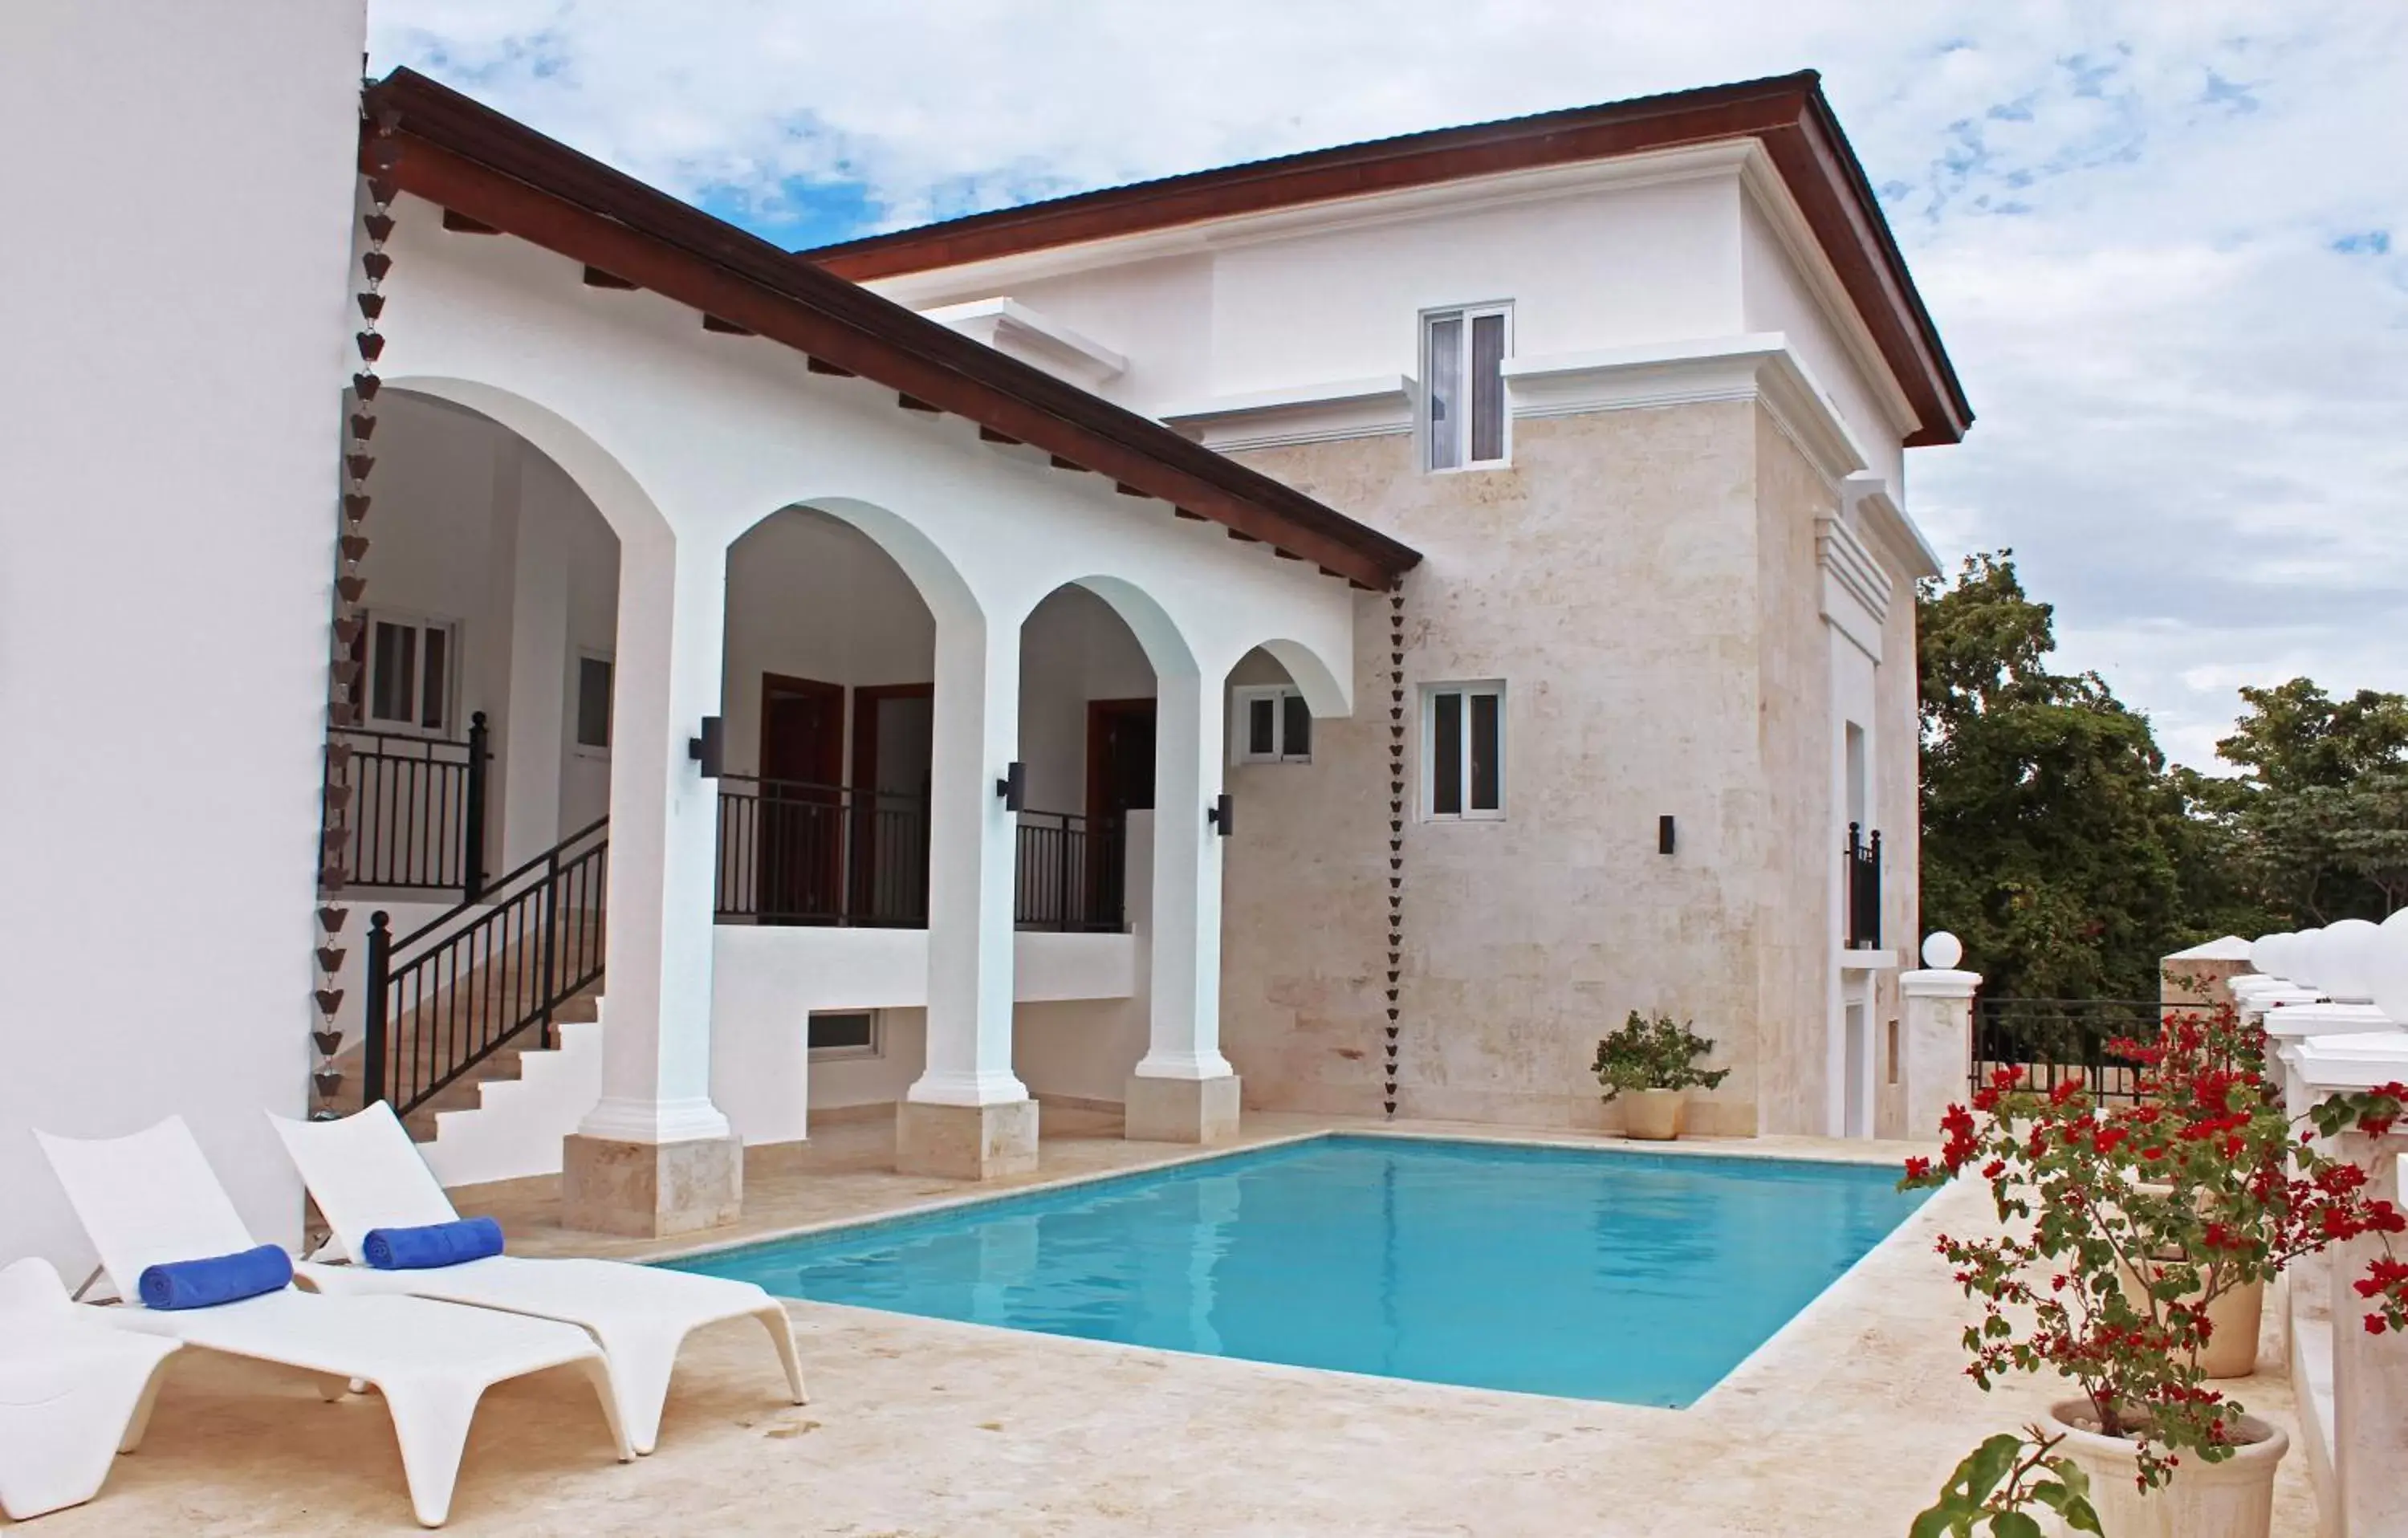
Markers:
1744,1149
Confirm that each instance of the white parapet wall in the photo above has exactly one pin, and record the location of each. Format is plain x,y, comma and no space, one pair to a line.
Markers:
768,982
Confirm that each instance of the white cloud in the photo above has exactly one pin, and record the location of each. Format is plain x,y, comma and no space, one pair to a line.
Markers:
2167,245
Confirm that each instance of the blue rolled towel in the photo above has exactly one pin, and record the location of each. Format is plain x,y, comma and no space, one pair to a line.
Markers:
219,1279
436,1244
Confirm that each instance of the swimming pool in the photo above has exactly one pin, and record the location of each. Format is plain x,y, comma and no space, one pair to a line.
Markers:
1641,1278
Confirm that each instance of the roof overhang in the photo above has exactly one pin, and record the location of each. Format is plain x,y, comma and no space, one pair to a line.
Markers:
1786,115
496,172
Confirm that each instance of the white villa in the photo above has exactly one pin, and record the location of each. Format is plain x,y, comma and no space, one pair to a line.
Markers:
730,744
1335,634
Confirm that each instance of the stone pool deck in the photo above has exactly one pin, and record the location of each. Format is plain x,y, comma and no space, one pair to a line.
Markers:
1843,1424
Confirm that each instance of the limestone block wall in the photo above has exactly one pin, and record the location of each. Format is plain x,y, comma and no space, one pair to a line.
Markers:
1798,865
1612,576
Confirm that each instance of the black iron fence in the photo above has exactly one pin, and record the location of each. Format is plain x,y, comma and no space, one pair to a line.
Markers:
2053,1040
450,994
1864,882
1071,872
793,852
414,808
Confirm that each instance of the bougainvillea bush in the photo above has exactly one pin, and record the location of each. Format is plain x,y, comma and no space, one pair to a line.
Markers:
2124,1225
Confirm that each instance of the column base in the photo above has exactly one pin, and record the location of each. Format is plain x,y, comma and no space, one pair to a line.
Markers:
650,1190
965,1142
1180,1110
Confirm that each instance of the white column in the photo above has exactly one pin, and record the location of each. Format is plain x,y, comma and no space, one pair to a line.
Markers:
655,1155
534,698
1938,1030
2369,1372
1185,1090
967,1115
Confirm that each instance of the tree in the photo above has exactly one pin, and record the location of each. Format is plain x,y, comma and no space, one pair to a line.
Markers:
2057,843
2319,815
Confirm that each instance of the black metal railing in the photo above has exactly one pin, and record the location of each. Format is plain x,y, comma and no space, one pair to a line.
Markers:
1864,874
414,808
1071,872
793,852
2053,1040
450,994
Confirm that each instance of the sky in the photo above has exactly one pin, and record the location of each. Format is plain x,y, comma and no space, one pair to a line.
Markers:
2166,241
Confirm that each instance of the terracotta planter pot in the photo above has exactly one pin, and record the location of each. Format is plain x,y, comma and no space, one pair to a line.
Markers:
1653,1115
2232,1327
2233,1499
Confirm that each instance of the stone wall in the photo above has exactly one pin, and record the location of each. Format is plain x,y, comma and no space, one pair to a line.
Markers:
1610,577
1798,864
1646,584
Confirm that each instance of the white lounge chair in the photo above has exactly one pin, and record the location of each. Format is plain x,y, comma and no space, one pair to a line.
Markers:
74,1393
365,1173
151,1198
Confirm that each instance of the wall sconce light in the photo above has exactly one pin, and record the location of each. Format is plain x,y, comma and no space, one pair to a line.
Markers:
1664,834
706,750
1013,786
1217,815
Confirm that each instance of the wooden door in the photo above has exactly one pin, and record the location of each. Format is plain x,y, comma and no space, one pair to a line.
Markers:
1120,779
893,725
802,800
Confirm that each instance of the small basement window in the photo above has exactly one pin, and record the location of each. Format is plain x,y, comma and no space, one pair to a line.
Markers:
845,1033
1462,362
1463,752
1274,726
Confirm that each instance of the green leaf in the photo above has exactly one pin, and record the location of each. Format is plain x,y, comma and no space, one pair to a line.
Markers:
1940,1521
1988,1464
2013,1524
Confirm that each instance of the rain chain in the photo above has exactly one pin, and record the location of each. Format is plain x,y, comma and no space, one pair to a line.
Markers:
350,618
1396,828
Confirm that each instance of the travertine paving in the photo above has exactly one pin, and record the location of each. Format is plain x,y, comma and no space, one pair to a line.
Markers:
1843,1424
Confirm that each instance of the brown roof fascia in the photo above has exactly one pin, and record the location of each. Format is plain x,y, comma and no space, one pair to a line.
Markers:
470,158
1787,113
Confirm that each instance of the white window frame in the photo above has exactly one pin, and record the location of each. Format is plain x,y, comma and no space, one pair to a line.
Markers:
877,1047
1469,690
1241,739
1429,428
453,727
575,703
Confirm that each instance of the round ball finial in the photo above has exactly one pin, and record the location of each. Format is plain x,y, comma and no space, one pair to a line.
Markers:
2265,955
1942,951
2386,968
2347,950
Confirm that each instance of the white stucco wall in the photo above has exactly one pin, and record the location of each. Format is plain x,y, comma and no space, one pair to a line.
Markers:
171,349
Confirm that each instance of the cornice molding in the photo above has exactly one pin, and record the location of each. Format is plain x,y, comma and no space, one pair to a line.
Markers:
1855,589
1008,326
1326,412
1384,206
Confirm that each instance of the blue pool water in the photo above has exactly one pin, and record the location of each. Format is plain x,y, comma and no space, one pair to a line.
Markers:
1635,1277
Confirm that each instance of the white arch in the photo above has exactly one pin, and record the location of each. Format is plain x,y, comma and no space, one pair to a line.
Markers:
1158,633
941,585
1324,693
615,493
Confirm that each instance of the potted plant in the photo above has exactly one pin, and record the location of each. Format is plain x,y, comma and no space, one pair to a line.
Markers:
2126,1229
1654,1060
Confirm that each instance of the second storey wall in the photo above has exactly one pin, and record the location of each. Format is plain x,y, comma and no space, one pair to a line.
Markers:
1609,579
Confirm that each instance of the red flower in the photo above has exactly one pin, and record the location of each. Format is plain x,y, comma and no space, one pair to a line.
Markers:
1916,1169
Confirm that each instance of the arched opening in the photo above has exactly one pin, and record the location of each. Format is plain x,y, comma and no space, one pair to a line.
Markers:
468,751
1087,693
828,697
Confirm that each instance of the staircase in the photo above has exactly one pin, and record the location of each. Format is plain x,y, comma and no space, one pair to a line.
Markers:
475,999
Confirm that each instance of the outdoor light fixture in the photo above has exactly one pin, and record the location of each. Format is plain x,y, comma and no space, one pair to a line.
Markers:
1218,814
1664,834
705,750
1013,786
